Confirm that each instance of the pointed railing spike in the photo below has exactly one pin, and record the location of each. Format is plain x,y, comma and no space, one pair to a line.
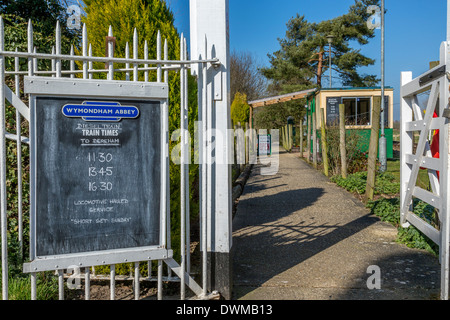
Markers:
58,49
135,54
146,57
90,62
84,45
2,35
127,65
158,56
110,45
72,62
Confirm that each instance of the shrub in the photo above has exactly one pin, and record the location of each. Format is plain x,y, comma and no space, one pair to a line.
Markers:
356,159
157,17
240,110
384,183
413,238
355,182
389,211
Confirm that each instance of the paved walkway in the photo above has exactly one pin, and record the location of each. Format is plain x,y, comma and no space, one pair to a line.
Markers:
296,235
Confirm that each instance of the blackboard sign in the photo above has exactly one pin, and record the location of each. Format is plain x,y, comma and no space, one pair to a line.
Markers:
333,111
97,174
386,111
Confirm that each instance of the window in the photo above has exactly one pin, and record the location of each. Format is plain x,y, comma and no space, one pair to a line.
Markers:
357,111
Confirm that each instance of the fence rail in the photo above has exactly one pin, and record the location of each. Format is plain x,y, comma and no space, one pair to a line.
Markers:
413,120
132,67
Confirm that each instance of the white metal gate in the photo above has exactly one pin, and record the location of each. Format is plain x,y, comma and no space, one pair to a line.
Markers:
161,67
432,125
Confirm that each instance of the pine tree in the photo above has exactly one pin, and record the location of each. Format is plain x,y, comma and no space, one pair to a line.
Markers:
303,57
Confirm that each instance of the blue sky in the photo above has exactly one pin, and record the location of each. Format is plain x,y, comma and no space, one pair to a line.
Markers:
414,31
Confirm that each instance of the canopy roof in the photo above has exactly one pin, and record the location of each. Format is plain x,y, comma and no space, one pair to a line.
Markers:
282,98
302,94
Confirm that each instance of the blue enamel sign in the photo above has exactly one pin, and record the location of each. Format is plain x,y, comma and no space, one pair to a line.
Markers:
100,111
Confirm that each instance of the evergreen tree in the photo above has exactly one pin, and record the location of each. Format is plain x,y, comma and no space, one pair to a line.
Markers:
46,12
303,57
148,16
275,116
240,110
16,14
44,15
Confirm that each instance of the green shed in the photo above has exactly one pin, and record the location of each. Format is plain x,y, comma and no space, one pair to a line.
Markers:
358,104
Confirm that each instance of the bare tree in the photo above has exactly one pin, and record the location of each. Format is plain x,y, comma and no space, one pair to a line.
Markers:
245,76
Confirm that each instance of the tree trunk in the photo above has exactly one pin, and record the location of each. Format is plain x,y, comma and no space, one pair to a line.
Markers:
342,141
314,134
301,137
323,137
320,68
308,135
290,136
373,148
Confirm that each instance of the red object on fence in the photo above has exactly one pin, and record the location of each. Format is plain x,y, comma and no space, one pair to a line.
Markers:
434,147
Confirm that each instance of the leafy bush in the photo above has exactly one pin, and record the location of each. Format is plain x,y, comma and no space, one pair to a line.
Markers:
385,183
240,110
389,211
356,159
425,211
160,18
355,182
413,238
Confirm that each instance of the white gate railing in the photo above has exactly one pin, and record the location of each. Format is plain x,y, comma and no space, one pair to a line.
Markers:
133,66
429,123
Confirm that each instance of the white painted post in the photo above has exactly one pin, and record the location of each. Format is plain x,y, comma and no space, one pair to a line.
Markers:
406,145
3,217
210,18
444,250
445,223
448,20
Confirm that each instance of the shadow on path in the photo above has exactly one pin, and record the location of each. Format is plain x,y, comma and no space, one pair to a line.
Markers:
270,208
271,241
296,234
